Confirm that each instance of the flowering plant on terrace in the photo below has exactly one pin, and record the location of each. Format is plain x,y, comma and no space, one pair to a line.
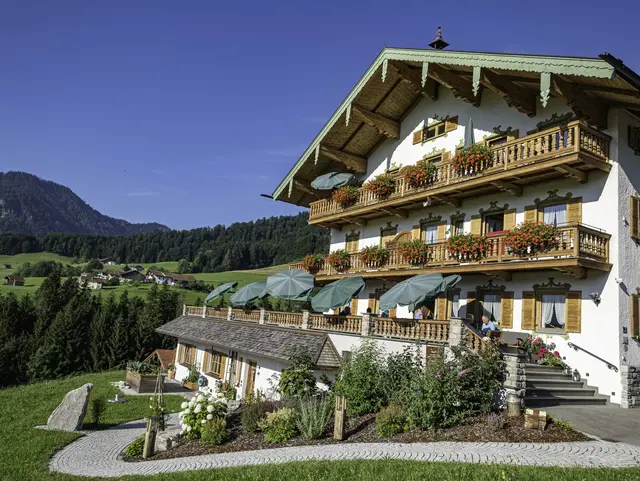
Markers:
472,160
421,174
345,196
415,252
467,246
374,256
549,357
197,412
340,260
530,237
312,263
382,186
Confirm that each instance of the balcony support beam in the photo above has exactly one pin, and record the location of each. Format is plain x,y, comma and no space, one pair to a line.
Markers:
583,105
452,201
305,187
521,99
357,221
513,189
577,272
502,275
461,88
573,173
386,126
352,162
401,213
413,79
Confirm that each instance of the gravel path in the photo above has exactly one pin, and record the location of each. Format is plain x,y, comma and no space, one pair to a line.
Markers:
97,454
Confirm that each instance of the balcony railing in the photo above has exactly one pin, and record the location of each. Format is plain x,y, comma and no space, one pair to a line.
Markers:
572,241
511,158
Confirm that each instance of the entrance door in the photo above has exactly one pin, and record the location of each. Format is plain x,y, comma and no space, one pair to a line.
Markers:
251,377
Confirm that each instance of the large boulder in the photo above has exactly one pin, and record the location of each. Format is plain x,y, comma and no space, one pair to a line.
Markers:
69,414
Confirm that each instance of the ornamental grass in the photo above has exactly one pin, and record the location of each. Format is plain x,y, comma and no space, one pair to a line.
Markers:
472,160
531,237
468,246
382,186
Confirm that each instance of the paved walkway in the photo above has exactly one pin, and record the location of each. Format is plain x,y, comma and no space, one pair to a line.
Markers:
97,454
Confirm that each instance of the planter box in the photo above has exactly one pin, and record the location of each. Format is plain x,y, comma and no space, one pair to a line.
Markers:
191,386
143,383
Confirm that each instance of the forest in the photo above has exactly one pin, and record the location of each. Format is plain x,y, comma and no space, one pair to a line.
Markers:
242,245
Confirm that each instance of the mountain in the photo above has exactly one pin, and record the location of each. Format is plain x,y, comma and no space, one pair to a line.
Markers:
31,205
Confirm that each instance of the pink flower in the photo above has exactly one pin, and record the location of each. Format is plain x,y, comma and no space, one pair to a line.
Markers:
557,354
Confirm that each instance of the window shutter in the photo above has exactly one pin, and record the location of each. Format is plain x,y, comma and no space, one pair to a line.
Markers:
530,213
372,303
223,366
418,136
451,124
574,211
179,354
476,224
441,308
472,305
446,156
206,361
415,232
634,217
354,306
392,312
442,231
506,309
634,328
574,314
528,311
509,219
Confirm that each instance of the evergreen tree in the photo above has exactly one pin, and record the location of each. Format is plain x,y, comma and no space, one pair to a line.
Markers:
101,332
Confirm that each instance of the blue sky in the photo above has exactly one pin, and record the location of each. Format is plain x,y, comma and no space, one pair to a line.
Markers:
184,112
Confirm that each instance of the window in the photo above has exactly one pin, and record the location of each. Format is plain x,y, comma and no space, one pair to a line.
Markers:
352,241
555,214
499,140
553,312
387,234
187,354
435,130
634,217
493,223
455,305
491,306
634,317
457,227
214,364
430,234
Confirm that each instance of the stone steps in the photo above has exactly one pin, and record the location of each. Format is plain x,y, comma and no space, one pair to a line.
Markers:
552,386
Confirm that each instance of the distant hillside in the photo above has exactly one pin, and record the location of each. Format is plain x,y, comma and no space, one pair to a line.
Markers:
30,205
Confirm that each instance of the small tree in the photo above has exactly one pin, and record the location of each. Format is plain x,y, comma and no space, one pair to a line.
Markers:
93,265
184,266
298,379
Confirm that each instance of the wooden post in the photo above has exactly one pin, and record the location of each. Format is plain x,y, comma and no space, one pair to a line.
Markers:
150,437
184,309
340,415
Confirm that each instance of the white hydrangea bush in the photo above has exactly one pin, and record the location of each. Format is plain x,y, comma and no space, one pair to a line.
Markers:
197,413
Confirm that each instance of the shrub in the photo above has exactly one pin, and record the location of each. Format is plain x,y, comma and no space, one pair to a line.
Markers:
194,373
136,448
421,174
533,344
374,256
141,367
496,421
298,379
415,252
390,420
472,160
530,237
215,432
197,413
361,379
549,357
312,262
400,370
340,260
467,246
253,414
279,426
345,196
382,186
96,409
313,416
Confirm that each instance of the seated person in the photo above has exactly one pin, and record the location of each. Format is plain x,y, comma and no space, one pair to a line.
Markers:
487,326
418,314
384,314
345,312
368,310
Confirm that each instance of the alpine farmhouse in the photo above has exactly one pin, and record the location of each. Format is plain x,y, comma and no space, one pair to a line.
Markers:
558,143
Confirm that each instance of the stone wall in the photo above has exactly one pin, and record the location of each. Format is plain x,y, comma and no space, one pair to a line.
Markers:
630,380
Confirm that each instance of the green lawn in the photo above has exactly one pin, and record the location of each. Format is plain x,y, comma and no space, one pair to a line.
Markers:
25,451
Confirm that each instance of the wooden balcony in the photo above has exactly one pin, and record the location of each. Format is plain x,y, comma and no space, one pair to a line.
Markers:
571,150
578,247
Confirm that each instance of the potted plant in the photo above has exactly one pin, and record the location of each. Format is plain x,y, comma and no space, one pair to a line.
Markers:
550,357
472,160
191,381
421,174
312,263
531,237
469,247
374,256
141,376
382,186
340,260
346,196
171,372
415,252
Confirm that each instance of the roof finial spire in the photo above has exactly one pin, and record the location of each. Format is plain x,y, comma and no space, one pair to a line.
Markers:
439,42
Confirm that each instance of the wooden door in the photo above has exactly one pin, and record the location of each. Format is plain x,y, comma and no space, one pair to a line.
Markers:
251,377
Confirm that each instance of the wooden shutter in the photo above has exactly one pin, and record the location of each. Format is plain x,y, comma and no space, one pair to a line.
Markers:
634,321
574,210
509,219
442,231
418,136
352,243
476,224
223,366
528,311
506,309
354,306
392,312
472,305
180,353
451,124
531,213
441,308
634,217
206,361
574,312
415,232
446,156
372,303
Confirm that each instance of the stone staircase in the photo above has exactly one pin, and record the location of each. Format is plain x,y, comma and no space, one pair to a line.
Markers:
552,386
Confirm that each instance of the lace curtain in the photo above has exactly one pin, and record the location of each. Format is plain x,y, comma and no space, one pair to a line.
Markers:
555,214
553,310
491,307
431,234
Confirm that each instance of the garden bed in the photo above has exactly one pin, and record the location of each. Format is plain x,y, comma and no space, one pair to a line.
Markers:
362,430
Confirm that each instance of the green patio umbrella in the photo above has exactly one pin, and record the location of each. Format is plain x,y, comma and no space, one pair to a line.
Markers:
247,294
469,137
416,289
337,294
292,284
450,281
218,291
333,180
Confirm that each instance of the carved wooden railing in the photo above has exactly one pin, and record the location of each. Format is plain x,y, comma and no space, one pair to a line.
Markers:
348,324
435,331
221,312
292,319
194,311
575,137
475,342
572,240
245,315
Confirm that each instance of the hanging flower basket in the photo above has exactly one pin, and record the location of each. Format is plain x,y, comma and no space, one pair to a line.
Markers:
382,186
340,260
531,237
312,263
421,174
374,256
472,160
346,196
469,247
415,252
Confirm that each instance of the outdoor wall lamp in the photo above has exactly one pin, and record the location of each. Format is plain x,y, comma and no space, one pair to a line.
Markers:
595,297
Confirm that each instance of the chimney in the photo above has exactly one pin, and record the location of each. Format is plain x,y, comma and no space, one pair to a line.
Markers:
439,43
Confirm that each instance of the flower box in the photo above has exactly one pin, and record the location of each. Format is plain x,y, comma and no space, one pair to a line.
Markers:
345,196
496,233
382,186
374,256
415,252
340,260
531,237
142,383
191,386
467,247
422,174
312,263
472,160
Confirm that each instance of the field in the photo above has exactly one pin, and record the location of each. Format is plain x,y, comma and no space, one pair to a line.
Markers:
25,451
191,297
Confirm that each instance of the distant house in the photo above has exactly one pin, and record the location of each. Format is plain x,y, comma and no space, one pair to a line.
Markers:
132,275
138,268
107,262
14,281
95,283
169,278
